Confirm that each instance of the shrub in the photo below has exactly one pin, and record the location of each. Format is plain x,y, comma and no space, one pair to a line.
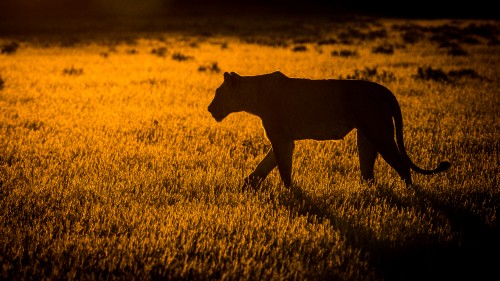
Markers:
383,49
299,48
10,48
372,74
303,40
487,31
214,68
345,53
73,71
457,51
180,57
467,72
412,36
267,41
69,42
428,73
161,52
329,41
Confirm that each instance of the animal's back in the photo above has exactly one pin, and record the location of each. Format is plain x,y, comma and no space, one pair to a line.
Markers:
325,109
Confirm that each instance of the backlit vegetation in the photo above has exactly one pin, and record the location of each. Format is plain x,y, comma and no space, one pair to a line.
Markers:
112,168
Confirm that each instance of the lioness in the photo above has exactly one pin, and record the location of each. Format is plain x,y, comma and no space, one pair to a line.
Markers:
296,109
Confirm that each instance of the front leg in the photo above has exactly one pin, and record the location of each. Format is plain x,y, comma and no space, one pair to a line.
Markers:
283,151
262,170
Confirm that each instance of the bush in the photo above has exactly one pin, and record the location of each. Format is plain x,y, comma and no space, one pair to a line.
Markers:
329,41
429,73
214,68
372,74
412,36
383,49
180,57
10,48
345,53
299,48
467,72
457,51
161,52
73,71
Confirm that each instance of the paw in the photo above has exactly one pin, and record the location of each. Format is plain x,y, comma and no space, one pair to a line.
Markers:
252,182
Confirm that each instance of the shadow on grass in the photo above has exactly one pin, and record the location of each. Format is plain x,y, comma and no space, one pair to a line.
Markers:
472,254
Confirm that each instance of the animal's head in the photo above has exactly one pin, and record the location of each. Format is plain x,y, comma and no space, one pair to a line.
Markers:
227,97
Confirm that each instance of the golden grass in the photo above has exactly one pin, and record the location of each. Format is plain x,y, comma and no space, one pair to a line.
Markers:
111,166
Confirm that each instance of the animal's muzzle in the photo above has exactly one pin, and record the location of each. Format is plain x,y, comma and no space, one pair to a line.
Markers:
218,116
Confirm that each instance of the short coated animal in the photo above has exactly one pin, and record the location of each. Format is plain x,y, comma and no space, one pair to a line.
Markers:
295,109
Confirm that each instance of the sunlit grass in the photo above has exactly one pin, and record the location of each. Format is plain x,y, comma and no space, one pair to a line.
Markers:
111,166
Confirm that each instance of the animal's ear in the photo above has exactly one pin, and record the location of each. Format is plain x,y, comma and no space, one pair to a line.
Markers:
231,78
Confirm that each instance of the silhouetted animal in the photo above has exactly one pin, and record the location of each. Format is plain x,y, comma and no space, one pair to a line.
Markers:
295,109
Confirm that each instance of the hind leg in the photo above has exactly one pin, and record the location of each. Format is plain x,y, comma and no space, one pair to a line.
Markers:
395,160
367,155
384,142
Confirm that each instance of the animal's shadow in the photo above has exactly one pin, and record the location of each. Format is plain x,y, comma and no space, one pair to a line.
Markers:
473,255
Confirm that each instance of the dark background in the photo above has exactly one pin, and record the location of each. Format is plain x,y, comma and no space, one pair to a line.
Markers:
13,9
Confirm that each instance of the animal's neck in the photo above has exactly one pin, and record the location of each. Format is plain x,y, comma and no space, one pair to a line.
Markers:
253,108
254,102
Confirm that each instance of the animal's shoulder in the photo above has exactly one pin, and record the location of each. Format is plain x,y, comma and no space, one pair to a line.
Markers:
274,75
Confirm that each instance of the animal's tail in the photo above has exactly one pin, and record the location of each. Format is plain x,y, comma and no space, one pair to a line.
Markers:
398,121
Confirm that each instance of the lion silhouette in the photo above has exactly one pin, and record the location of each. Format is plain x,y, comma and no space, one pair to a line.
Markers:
296,109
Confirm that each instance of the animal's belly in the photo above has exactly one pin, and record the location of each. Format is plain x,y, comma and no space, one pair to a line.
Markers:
320,131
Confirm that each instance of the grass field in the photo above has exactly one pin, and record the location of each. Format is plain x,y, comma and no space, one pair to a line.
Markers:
112,168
